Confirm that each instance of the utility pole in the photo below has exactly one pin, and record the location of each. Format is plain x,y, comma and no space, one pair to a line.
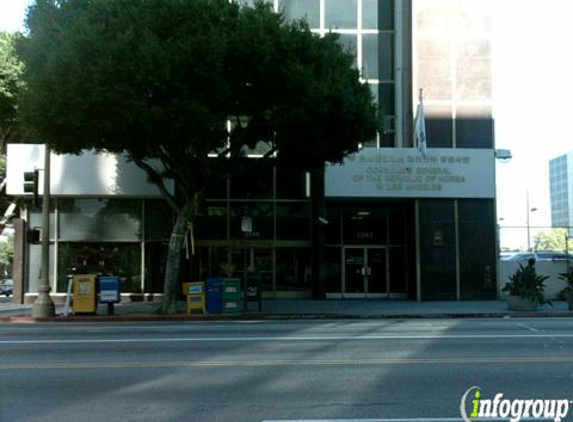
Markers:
44,306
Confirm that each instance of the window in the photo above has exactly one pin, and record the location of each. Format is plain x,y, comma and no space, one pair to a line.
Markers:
100,219
302,9
341,14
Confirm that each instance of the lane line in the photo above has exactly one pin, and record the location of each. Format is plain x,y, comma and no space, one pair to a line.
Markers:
528,328
283,362
290,338
437,419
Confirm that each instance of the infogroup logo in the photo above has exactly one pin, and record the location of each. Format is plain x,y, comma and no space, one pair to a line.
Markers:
474,407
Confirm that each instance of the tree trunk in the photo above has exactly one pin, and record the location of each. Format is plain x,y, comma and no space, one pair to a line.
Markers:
173,264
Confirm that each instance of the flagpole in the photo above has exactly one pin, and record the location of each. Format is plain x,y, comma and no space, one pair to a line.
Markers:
420,99
420,125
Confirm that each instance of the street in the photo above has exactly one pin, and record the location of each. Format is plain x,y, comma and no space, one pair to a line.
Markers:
278,370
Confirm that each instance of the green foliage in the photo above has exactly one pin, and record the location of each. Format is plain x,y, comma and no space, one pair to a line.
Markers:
568,278
526,283
11,85
552,240
6,253
161,78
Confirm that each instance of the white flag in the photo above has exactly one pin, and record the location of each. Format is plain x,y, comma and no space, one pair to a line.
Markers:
420,127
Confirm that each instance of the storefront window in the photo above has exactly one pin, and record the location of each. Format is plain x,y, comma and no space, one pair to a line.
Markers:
333,270
252,220
293,221
35,220
293,269
291,183
35,268
120,259
100,219
155,262
159,219
211,223
332,230
254,183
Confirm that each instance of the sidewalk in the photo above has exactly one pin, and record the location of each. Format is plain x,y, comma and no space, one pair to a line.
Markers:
301,309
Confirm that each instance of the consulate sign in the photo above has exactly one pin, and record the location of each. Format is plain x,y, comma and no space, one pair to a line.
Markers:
406,173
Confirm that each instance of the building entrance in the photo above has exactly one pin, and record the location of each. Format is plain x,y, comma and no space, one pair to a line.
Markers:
366,272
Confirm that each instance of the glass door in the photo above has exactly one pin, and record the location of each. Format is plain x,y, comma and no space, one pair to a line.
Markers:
365,272
354,272
376,271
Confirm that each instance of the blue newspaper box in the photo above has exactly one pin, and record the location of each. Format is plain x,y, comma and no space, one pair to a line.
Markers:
109,289
214,287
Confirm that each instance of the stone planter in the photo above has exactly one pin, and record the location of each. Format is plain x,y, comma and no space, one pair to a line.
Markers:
518,303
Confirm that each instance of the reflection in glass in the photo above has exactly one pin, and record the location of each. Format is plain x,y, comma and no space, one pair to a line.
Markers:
293,221
35,267
293,269
100,219
260,215
35,219
159,219
211,223
370,14
255,183
350,44
370,56
341,14
386,52
121,259
302,9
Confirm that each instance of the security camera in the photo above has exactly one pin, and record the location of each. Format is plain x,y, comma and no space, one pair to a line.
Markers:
503,154
323,221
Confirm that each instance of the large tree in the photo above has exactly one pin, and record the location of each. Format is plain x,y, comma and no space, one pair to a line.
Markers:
11,85
161,79
553,240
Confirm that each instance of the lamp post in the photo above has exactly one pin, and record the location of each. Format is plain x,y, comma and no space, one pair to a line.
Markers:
44,306
529,211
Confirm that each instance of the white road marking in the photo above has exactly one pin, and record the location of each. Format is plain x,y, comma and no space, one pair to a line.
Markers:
292,338
437,419
527,327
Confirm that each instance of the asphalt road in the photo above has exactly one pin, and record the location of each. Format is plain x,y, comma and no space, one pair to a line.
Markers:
387,370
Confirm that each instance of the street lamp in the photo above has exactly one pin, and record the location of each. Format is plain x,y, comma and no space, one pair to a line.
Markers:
44,306
529,211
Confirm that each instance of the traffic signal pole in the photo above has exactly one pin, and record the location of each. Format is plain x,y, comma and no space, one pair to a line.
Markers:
44,306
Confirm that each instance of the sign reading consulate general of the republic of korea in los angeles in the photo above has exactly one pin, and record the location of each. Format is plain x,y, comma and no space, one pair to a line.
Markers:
406,173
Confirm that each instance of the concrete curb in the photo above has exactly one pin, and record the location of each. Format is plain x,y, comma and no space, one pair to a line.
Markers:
22,319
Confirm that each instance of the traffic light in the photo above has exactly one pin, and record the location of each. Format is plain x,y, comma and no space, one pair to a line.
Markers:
31,185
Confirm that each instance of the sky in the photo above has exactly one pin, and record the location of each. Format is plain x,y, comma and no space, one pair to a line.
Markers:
533,92
532,105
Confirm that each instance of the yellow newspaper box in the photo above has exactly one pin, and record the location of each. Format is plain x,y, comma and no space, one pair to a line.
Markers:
85,293
195,293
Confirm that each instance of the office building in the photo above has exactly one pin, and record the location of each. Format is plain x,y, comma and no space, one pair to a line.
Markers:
560,171
398,224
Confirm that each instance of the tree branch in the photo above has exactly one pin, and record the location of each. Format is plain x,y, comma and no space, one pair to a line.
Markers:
157,180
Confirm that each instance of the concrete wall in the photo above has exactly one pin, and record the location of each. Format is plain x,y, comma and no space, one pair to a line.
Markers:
88,174
553,285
